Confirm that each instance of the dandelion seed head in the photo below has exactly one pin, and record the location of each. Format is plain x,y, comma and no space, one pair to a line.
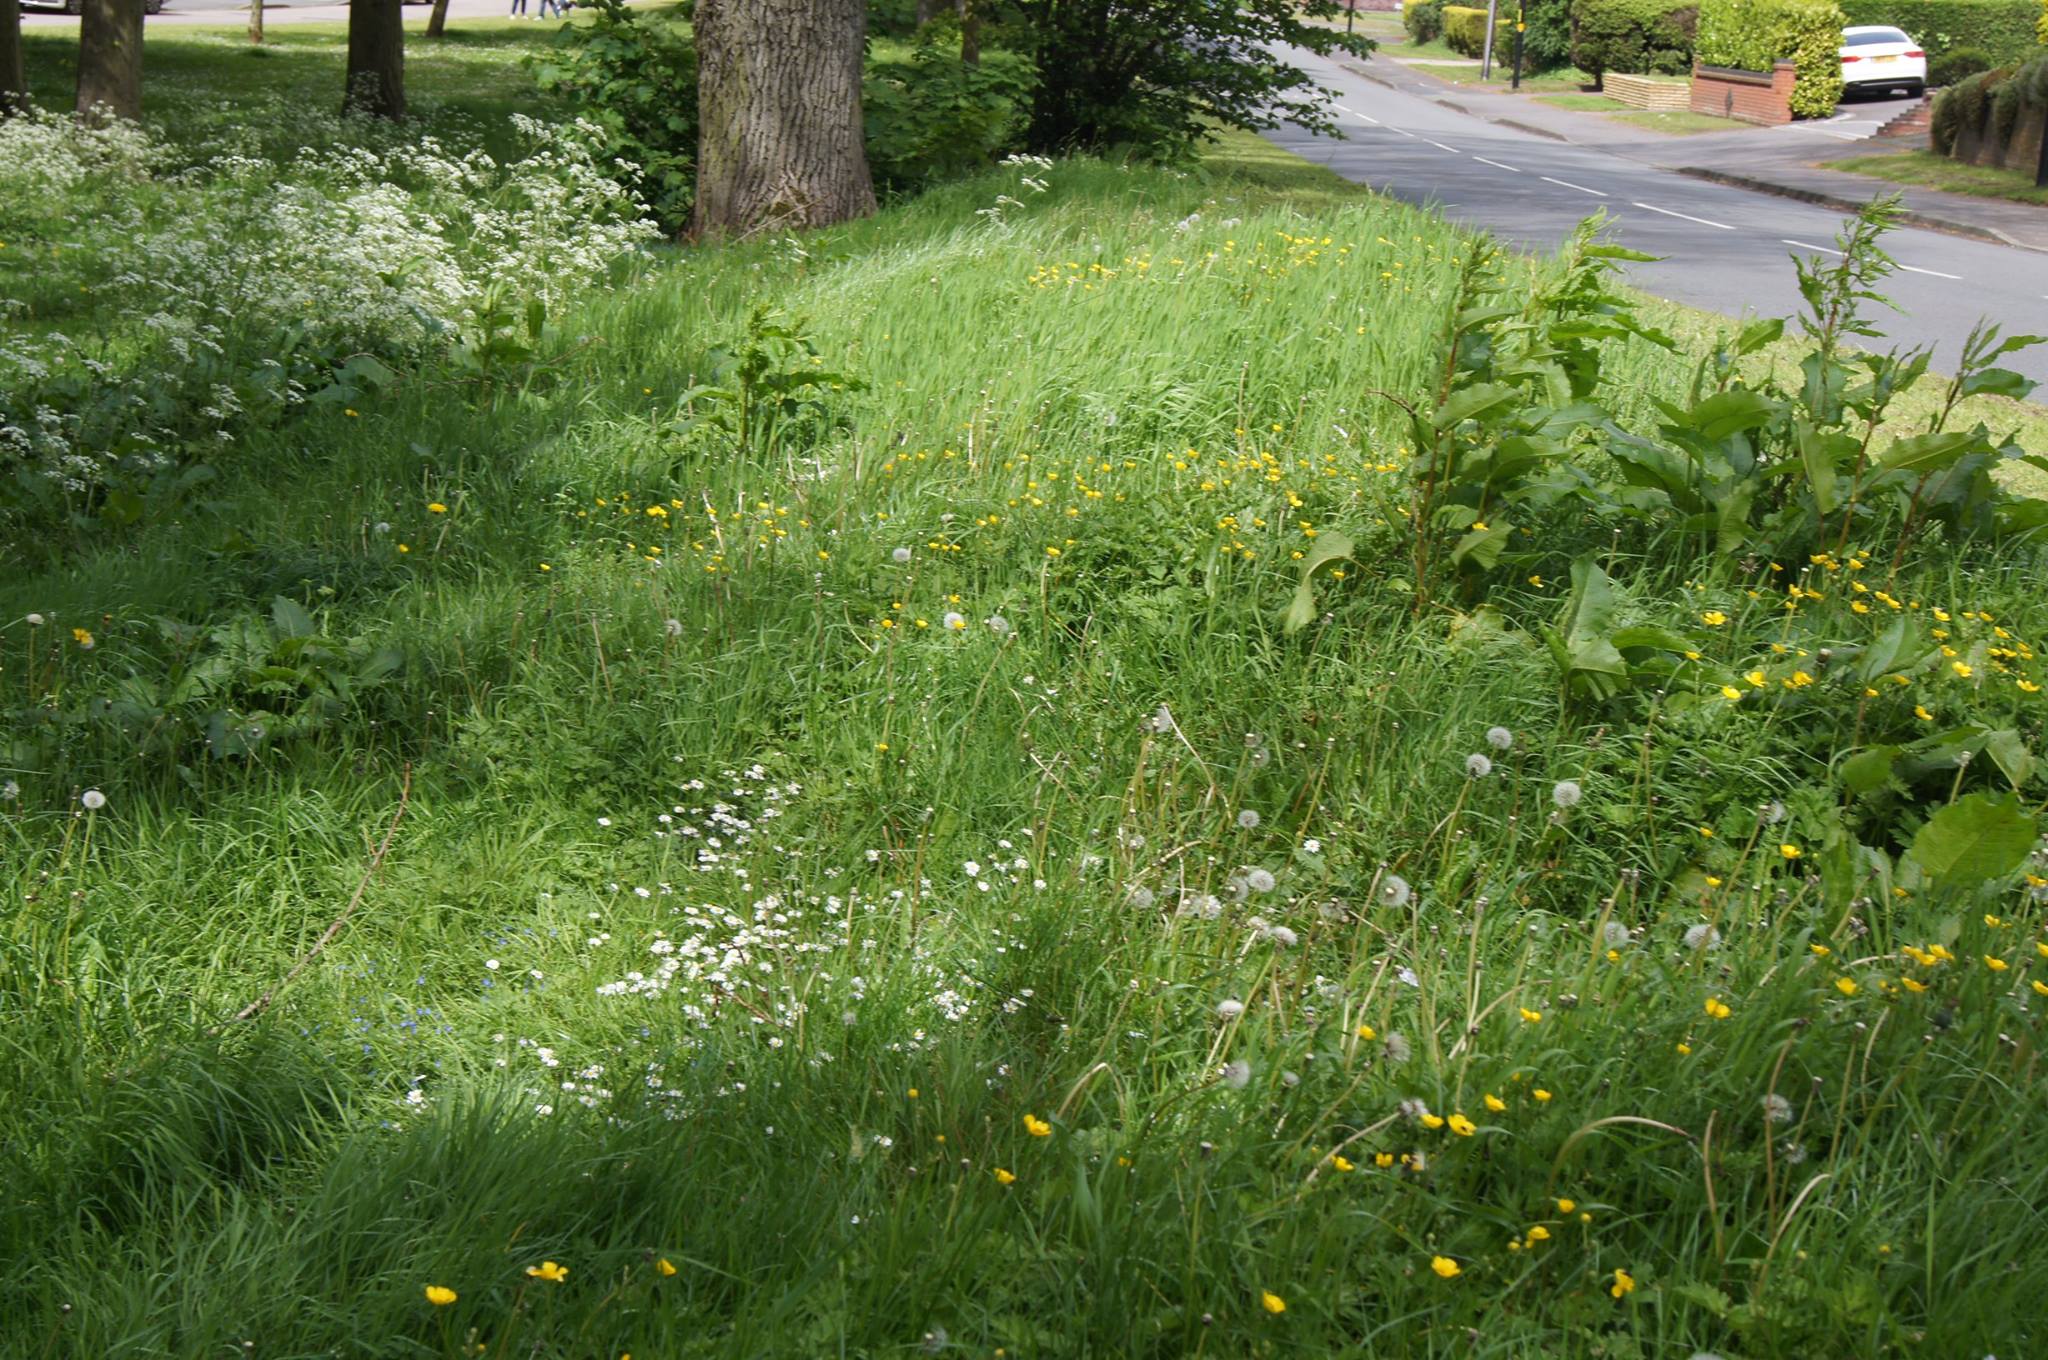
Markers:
1394,891
1614,935
899,555
1499,738
1237,1075
1702,936
1566,794
1229,1008
1777,1109
93,799
1259,880
1395,1047
1248,820
1478,766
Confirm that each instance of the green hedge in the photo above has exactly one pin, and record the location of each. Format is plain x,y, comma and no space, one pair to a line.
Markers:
2004,28
1633,37
1990,104
1546,39
1465,31
1424,20
1751,35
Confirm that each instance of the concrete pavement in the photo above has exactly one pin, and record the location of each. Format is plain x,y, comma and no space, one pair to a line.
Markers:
1720,248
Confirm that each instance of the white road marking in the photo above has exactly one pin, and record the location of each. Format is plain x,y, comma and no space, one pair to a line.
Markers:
1569,185
1440,146
1825,250
1651,207
1356,114
1496,164
1911,269
1403,131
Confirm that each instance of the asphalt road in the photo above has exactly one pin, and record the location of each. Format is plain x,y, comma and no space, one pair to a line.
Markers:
1723,249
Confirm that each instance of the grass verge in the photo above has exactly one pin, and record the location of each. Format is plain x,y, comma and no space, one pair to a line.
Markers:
1925,170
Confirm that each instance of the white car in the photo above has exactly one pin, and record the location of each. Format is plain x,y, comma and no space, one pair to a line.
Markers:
1878,59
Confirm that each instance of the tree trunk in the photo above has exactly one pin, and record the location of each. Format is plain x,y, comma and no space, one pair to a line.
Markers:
928,10
110,60
437,22
376,59
255,21
778,103
13,76
970,32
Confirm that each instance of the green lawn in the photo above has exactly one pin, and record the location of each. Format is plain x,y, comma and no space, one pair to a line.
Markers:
1925,170
770,794
1545,83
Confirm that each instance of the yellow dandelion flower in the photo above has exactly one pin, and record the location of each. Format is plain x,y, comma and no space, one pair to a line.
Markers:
1542,1096
436,508
1996,965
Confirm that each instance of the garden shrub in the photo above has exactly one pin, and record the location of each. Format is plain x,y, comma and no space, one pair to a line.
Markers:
1957,64
1424,20
1547,40
1750,35
934,116
1633,37
632,75
2003,28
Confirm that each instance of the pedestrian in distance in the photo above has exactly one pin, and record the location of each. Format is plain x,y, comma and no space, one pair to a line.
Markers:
549,5
518,9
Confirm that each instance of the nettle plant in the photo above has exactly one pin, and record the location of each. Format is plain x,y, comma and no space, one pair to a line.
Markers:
1521,435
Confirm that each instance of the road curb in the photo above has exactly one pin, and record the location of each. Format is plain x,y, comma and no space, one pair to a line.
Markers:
1454,106
1840,203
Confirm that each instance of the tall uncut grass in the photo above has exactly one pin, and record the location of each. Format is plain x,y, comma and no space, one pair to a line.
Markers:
892,886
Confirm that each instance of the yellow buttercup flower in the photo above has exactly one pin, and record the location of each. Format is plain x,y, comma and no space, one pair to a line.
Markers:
665,1266
440,1296
1367,1033
1432,1121
1623,1283
1036,1127
1003,1177
1717,1009
1495,1103
1539,1233
549,1271
1530,1017
1565,1206
1541,1094
1272,1302
1996,965
1444,1266
436,508
1846,986
1790,851
1340,1163
1462,1126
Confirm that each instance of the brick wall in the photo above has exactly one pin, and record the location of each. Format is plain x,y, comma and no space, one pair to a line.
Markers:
1752,96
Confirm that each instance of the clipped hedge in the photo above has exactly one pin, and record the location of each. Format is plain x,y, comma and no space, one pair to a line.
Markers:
2004,28
1957,65
1424,20
1981,118
1633,37
1465,31
1546,39
1752,35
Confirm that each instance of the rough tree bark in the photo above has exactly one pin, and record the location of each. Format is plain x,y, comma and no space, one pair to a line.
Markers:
970,31
928,10
110,59
437,22
376,59
778,102
255,21
13,76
